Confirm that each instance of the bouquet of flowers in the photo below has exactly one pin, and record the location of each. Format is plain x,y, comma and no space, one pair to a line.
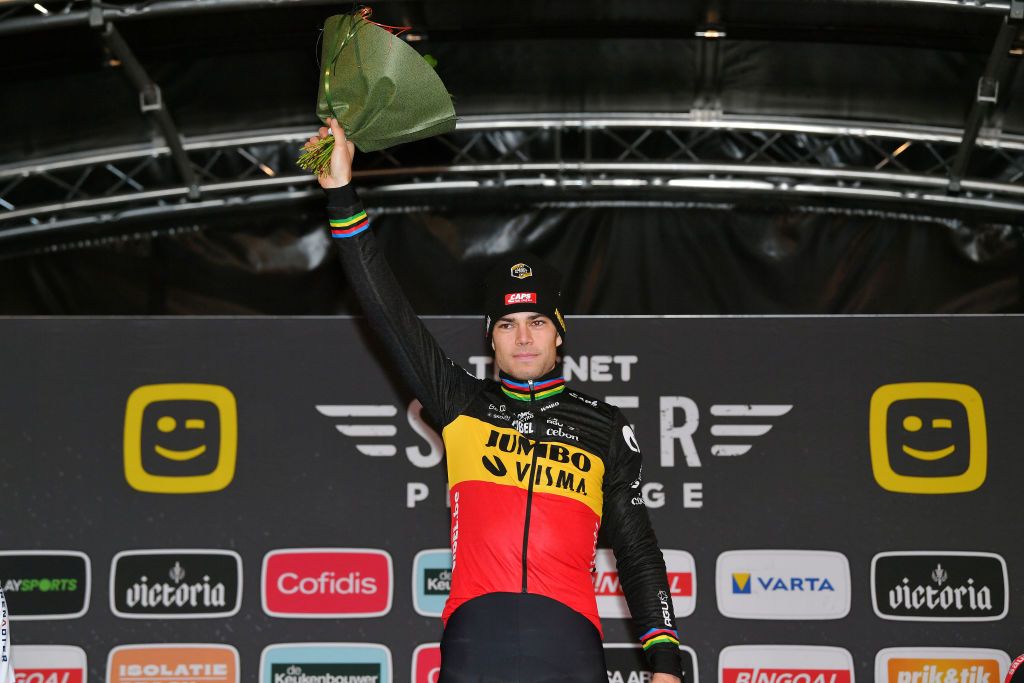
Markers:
380,89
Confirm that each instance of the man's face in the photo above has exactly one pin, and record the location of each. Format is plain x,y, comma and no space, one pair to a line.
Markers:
525,345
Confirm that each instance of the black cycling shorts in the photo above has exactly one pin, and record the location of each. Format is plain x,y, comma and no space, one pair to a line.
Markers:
520,638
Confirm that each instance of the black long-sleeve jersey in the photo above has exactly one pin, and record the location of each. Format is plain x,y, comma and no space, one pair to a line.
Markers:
534,469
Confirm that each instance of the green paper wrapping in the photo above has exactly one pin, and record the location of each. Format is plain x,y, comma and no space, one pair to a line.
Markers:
380,90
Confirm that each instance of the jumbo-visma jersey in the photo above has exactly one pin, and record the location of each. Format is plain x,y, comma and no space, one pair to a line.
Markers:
535,469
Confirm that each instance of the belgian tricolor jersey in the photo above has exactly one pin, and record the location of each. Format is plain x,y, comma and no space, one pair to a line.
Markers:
535,469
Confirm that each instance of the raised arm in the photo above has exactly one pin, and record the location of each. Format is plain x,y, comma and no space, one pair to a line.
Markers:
442,386
627,528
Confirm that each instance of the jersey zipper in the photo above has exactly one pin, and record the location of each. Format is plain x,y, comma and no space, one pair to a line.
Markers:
529,495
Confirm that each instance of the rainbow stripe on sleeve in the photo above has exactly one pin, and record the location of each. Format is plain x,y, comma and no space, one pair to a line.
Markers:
659,635
351,226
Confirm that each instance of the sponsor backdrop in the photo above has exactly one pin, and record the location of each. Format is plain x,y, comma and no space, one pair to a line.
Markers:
256,499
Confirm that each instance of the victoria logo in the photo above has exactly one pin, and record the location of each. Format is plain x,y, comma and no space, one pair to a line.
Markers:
180,663
327,583
325,663
175,584
783,584
785,664
45,584
626,663
939,586
941,664
49,664
681,571
431,581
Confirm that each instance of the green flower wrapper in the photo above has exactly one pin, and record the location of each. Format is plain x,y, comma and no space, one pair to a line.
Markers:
380,90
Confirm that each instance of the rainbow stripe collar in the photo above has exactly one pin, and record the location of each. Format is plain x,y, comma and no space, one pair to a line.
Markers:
542,388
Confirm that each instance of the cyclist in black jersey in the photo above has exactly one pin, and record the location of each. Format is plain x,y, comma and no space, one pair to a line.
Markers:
534,470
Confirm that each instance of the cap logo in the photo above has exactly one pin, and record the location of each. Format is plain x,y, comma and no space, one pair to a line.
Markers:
521,271
520,298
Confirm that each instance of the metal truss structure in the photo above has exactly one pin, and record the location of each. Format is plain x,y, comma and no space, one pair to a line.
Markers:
648,156
551,156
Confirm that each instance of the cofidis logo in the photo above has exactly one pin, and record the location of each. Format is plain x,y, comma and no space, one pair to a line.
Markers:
785,664
327,583
49,664
45,584
180,438
939,586
783,584
177,663
682,582
325,663
945,664
431,581
626,663
175,584
928,437
426,663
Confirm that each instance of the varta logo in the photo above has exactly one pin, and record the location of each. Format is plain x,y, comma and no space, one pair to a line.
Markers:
741,583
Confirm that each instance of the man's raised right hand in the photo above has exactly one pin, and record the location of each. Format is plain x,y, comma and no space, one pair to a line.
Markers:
341,159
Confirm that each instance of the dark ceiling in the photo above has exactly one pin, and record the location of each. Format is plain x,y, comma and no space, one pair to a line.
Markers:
227,66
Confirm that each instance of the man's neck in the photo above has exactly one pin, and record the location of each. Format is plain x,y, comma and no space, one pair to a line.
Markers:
546,386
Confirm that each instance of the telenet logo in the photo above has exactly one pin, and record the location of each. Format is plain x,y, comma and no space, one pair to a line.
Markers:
928,437
180,438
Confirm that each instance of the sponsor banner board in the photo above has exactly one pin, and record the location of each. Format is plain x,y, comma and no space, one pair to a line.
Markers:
431,581
626,663
49,664
783,584
426,663
682,583
945,664
927,585
785,664
325,663
327,583
45,584
173,663
175,584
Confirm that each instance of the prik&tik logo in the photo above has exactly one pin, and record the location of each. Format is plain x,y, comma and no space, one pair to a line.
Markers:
49,664
785,664
928,437
175,584
325,663
940,665
327,583
180,438
783,584
626,663
177,663
939,586
431,581
45,584
426,663
682,582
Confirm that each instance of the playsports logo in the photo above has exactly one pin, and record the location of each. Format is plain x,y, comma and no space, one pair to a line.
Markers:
520,298
327,583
